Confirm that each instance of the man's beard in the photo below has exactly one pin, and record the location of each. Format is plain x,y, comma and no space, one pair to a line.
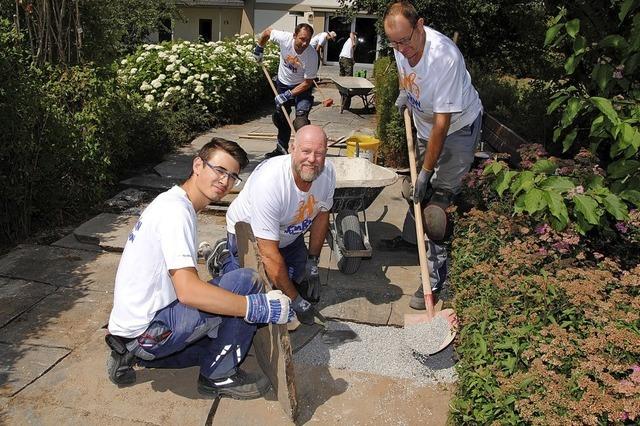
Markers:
307,175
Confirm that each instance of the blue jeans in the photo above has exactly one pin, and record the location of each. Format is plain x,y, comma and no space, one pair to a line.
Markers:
303,103
295,256
180,336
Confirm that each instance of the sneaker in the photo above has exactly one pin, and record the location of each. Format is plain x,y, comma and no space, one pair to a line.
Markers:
275,152
120,362
241,385
216,256
397,243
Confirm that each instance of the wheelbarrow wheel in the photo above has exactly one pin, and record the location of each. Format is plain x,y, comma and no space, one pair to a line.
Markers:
349,226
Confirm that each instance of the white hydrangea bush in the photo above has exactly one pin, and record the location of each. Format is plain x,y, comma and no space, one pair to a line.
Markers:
221,78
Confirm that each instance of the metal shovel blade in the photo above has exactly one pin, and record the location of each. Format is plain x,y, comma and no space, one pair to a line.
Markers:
447,314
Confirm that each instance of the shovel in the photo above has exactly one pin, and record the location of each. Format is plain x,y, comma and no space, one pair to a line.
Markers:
275,93
327,102
432,311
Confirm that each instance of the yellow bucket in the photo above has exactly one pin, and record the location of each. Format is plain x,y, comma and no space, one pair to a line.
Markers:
365,144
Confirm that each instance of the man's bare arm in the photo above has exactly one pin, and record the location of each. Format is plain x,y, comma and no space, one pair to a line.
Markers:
318,233
276,267
439,132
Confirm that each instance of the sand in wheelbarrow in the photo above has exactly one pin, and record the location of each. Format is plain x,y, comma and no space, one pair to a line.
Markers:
425,338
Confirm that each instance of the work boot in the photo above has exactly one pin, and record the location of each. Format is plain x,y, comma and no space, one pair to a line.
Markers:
216,256
417,300
120,362
241,385
275,152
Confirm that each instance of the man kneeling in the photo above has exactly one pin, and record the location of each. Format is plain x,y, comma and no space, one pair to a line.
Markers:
164,315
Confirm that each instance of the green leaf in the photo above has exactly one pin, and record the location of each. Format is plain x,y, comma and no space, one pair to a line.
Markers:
616,207
601,75
558,209
503,180
574,105
552,33
579,44
614,40
625,8
596,126
568,140
534,201
556,134
588,207
556,103
493,168
559,184
605,107
573,26
622,168
631,195
523,182
631,63
544,166
572,63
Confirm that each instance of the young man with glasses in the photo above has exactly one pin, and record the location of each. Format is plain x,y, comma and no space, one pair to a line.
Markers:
164,315
446,109
284,198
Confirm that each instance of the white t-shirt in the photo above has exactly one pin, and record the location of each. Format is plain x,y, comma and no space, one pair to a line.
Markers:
319,40
164,238
274,206
346,49
294,68
440,82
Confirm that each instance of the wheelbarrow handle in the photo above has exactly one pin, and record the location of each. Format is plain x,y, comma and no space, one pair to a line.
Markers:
275,93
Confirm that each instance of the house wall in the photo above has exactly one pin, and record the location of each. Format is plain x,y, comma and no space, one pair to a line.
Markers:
225,22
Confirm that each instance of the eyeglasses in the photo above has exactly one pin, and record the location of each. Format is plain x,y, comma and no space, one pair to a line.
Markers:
232,178
404,41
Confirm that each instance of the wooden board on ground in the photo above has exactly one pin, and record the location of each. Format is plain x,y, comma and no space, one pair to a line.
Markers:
271,343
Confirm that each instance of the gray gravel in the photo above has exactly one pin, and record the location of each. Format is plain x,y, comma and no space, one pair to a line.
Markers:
427,337
376,350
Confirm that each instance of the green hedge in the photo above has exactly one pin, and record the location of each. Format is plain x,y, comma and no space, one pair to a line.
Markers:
550,321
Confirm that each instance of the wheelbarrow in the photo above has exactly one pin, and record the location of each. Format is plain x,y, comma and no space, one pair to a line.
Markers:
358,183
354,86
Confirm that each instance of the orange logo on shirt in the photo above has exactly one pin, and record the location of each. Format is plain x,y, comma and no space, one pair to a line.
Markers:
305,209
408,82
293,60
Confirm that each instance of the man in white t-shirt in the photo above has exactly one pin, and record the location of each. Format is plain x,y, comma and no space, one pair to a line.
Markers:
319,44
296,71
284,198
164,315
436,86
346,58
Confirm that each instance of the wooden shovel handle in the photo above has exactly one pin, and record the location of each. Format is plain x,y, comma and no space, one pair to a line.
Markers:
275,93
417,213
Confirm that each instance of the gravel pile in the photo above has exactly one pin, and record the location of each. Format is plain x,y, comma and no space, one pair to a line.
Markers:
376,350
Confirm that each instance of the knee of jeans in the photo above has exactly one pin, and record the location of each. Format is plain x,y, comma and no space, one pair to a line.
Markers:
247,281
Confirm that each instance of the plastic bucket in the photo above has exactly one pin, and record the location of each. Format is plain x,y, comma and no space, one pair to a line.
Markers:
364,146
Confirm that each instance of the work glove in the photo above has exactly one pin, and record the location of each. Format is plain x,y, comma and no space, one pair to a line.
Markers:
312,276
272,307
258,53
283,98
303,309
401,101
422,183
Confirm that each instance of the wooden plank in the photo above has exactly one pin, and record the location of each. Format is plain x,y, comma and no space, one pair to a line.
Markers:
271,343
501,138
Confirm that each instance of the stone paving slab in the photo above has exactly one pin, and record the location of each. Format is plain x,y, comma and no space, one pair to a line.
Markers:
70,241
22,364
159,397
16,296
151,182
175,166
108,230
45,415
332,397
64,318
355,305
61,267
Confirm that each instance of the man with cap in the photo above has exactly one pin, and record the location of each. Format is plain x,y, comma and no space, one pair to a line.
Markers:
319,43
